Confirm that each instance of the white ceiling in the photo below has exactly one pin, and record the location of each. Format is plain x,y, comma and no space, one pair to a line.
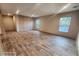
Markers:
37,9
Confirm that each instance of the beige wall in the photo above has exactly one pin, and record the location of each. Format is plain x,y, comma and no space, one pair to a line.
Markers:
24,23
50,24
0,24
2,31
16,23
8,23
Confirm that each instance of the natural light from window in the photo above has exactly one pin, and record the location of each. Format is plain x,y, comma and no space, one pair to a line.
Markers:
64,23
38,24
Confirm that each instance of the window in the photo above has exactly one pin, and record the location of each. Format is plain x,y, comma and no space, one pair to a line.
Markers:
64,24
37,24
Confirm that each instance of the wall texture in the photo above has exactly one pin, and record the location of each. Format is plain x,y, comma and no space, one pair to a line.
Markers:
50,24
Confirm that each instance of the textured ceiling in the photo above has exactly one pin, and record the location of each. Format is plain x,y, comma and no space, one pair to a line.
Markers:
37,9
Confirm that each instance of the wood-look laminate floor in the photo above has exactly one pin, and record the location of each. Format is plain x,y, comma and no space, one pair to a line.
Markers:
35,43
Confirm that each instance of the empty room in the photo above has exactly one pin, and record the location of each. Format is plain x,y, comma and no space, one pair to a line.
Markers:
39,29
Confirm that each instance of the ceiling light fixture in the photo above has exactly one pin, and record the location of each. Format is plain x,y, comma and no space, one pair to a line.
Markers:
32,15
8,14
17,12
